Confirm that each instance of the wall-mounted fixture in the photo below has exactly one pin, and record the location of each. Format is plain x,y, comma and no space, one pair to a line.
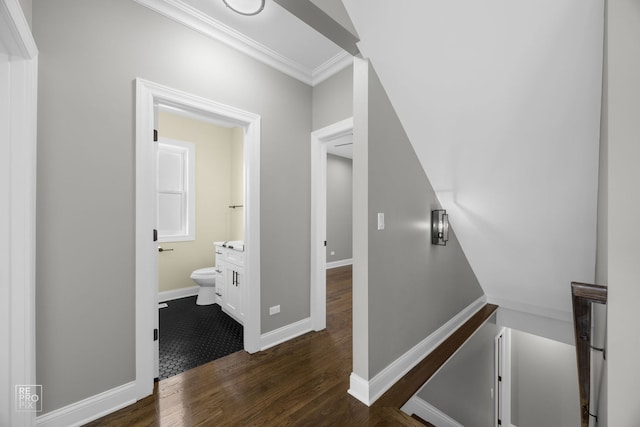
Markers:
245,7
439,227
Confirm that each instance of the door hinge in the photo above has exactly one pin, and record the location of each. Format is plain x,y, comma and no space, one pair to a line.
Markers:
155,235
325,243
155,334
499,422
499,377
155,135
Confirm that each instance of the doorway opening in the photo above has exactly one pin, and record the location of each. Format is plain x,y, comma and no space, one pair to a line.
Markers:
320,140
200,200
149,97
502,381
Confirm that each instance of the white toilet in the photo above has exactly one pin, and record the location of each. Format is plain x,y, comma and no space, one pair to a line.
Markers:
206,279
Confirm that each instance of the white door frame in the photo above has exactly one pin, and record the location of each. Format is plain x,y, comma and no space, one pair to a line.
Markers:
503,357
319,139
148,95
18,110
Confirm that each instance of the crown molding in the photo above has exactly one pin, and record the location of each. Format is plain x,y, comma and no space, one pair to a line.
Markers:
332,66
205,24
15,33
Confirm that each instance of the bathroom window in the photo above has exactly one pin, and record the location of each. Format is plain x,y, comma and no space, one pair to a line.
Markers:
176,191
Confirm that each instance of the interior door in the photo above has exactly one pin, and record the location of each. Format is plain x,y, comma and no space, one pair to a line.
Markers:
499,378
156,312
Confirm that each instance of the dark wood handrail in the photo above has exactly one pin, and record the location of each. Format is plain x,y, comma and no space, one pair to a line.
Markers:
394,398
583,295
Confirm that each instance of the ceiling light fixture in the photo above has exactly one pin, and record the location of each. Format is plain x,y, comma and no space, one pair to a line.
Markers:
245,7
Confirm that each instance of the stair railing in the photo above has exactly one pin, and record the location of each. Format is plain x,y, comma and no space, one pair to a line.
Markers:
583,296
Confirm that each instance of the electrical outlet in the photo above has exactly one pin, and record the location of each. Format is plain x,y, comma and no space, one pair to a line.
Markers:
332,252
274,310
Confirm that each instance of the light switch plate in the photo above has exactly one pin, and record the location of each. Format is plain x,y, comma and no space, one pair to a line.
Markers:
380,220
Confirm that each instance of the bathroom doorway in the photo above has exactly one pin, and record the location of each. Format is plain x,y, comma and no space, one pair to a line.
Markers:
151,98
200,201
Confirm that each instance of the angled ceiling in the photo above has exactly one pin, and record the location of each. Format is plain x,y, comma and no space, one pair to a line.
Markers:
501,101
274,36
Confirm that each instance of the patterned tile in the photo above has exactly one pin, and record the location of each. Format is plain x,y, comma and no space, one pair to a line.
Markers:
192,335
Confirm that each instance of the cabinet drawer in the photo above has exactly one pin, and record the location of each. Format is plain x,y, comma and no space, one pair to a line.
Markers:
220,254
235,257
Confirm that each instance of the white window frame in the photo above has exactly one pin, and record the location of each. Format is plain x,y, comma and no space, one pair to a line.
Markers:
188,214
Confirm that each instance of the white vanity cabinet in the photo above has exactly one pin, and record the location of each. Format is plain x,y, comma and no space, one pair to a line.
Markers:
230,286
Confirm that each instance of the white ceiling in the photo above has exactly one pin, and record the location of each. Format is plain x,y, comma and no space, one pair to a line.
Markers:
502,105
275,36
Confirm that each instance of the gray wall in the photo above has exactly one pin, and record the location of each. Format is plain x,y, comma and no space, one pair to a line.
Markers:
462,388
414,286
544,382
335,9
623,133
333,99
339,208
90,53
599,387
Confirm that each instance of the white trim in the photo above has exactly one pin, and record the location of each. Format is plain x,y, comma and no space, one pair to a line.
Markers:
91,408
359,388
18,124
340,263
286,333
15,32
429,413
177,293
332,66
319,140
149,94
205,24
399,368
187,150
505,416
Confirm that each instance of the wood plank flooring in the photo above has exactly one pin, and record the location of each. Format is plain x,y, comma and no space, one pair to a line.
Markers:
302,382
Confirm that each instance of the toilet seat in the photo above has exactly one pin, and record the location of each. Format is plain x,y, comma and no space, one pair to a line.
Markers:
204,273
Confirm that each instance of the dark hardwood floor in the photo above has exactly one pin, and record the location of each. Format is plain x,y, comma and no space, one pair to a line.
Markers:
302,382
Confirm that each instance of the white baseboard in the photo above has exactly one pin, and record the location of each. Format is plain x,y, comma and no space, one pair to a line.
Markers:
429,413
359,388
286,333
340,263
177,293
89,409
369,391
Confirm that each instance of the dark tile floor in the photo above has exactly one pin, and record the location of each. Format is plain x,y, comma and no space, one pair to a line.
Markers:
192,335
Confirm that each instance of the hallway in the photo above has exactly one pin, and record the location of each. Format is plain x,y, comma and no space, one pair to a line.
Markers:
301,382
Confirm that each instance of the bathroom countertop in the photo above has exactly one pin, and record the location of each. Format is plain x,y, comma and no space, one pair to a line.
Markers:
237,245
